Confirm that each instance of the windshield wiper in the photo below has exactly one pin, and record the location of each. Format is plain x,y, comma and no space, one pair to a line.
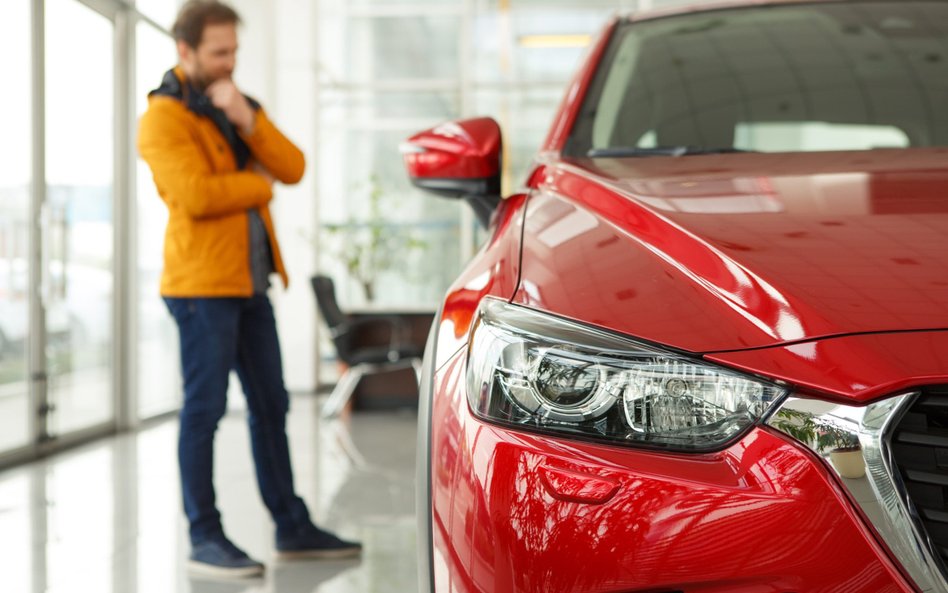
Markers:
632,151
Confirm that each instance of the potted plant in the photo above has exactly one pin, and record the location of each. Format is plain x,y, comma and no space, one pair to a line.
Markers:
370,245
845,452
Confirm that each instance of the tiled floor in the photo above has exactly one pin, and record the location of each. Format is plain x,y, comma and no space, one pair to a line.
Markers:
106,518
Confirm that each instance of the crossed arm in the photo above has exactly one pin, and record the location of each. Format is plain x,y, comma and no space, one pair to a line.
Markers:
183,174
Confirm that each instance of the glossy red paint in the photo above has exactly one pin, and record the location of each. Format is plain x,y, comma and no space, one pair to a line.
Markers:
495,272
466,149
763,515
775,248
859,368
579,487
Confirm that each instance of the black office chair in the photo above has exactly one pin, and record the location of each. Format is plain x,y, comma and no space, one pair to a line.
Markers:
355,346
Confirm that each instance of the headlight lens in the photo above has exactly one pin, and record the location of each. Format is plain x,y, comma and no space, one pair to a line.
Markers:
540,372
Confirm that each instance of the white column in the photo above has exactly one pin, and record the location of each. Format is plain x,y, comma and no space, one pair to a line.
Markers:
295,209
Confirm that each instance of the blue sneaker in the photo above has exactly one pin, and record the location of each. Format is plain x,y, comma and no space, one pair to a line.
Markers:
220,558
312,542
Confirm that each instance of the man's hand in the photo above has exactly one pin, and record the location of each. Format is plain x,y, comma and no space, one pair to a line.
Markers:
225,95
262,171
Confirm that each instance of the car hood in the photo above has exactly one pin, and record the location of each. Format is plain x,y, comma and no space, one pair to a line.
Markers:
792,247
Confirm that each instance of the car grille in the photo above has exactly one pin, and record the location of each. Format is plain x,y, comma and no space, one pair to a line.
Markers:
919,446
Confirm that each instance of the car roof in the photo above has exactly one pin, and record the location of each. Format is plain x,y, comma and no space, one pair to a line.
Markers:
712,5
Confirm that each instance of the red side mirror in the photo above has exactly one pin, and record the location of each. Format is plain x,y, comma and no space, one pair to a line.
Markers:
456,159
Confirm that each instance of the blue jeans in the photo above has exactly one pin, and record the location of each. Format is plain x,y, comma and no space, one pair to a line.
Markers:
217,335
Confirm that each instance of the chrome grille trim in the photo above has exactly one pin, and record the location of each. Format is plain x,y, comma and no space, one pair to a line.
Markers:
919,449
881,493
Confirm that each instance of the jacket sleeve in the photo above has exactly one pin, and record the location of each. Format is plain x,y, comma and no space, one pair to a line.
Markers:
274,151
182,172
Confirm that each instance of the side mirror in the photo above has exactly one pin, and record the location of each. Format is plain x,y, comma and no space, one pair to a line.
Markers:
458,159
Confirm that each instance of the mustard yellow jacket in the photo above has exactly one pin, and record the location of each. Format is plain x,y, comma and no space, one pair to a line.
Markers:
207,241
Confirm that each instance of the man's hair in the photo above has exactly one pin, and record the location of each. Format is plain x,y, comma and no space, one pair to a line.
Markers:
195,15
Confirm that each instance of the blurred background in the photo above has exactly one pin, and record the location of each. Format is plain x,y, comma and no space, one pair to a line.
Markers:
84,336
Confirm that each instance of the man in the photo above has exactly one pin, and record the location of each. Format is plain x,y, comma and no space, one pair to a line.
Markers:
214,156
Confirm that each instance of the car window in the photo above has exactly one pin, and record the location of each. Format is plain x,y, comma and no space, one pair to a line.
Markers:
780,78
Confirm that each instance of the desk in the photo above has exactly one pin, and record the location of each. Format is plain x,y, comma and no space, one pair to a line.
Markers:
395,389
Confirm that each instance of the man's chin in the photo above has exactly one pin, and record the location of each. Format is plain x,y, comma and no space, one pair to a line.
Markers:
202,82
217,79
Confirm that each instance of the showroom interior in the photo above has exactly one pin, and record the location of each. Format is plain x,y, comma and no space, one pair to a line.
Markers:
89,371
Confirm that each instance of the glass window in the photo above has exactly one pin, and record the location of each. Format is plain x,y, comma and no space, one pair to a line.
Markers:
157,349
560,6
161,11
391,48
377,91
860,75
383,4
526,46
377,228
377,108
15,180
525,117
78,221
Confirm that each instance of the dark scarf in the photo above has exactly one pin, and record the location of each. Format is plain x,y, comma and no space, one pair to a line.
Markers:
199,104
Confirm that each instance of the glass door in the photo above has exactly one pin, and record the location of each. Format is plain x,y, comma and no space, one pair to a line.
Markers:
158,376
76,222
15,188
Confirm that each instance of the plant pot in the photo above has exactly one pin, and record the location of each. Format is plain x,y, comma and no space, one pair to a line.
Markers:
849,463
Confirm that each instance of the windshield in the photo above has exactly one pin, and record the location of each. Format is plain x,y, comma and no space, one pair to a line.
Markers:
783,78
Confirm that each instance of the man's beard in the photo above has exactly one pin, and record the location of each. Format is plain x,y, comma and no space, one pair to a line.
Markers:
201,80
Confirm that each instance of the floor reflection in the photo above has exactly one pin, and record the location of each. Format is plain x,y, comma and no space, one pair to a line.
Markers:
107,517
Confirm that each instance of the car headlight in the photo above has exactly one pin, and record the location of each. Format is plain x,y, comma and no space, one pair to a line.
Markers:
539,372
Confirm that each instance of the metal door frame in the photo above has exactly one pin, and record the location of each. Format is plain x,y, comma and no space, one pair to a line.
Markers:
124,403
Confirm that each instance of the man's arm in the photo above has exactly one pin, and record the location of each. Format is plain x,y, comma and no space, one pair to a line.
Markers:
270,148
182,172
275,151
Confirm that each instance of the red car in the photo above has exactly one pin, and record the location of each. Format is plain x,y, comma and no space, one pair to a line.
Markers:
705,348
